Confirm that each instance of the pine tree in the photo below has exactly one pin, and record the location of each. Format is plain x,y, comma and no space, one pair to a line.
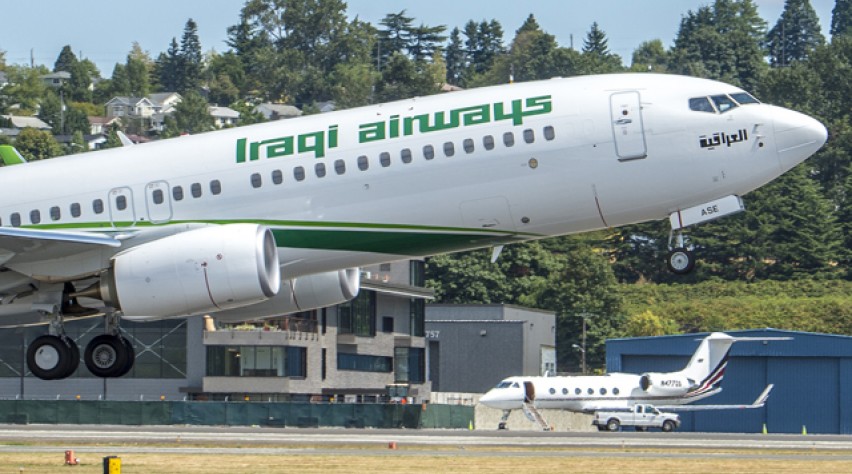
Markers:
841,18
190,59
65,60
168,68
595,42
424,41
455,58
395,35
795,35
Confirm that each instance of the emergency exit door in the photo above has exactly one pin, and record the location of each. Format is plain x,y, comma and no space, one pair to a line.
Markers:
627,128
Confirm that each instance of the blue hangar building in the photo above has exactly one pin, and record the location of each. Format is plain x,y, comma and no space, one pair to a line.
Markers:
812,374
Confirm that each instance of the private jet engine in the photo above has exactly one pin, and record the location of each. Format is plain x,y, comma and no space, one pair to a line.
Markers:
657,384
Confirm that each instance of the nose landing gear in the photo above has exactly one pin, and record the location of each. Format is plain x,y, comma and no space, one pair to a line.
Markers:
679,260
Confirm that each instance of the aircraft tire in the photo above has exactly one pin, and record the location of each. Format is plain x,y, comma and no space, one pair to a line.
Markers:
52,357
680,261
131,357
613,425
106,356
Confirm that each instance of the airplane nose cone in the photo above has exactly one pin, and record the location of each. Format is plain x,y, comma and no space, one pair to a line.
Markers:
797,136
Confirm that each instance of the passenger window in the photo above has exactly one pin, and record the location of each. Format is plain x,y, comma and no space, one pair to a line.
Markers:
177,193
449,149
339,166
16,219
121,203
363,163
157,196
428,152
216,187
75,210
55,215
384,159
701,104
277,177
509,139
256,181
195,189
319,168
98,206
468,145
405,154
549,133
299,173
488,142
35,216
723,103
529,135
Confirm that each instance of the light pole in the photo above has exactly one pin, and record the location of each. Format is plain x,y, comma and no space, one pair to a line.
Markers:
582,355
582,348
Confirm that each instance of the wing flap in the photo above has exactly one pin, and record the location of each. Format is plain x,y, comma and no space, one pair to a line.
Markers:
28,245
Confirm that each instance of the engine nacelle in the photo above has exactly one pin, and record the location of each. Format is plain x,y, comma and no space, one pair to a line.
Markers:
302,294
665,384
195,272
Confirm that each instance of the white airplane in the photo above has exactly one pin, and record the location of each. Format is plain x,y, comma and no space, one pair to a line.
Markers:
701,378
276,218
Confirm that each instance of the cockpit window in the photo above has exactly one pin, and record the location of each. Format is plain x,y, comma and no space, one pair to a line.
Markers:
701,104
723,103
744,98
504,384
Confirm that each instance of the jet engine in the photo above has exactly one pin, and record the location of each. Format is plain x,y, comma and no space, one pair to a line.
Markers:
665,384
199,271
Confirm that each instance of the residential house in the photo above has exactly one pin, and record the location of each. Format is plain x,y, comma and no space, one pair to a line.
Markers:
56,79
102,125
224,116
277,111
14,125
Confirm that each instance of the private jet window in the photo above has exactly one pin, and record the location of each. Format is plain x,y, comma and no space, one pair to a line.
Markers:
55,215
177,193
16,220
449,149
615,391
35,216
564,391
157,196
468,145
590,391
509,139
515,385
723,103
277,177
529,135
603,391
121,203
363,163
75,210
339,166
256,181
428,152
216,187
195,190
552,391
549,133
577,391
299,173
488,142
743,98
701,104
98,206
405,154
319,169
384,159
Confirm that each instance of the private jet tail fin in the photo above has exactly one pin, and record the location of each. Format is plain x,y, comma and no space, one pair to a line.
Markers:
11,156
759,402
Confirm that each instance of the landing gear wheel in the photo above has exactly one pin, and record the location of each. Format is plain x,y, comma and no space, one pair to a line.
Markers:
680,261
52,357
131,357
107,356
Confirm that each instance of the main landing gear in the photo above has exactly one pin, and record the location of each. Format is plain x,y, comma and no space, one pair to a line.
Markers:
56,356
679,260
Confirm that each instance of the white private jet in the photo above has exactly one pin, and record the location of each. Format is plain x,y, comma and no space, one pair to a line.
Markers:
275,218
700,379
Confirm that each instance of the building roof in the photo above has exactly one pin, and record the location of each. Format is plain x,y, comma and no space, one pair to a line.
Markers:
124,100
159,98
25,122
224,112
280,110
58,75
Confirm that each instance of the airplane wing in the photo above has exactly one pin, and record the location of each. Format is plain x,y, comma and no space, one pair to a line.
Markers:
758,403
32,244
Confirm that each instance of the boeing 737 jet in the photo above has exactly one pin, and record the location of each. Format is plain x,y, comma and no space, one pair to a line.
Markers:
701,378
276,218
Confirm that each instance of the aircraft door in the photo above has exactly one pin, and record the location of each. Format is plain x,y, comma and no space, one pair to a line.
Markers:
158,202
627,128
529,392
121,210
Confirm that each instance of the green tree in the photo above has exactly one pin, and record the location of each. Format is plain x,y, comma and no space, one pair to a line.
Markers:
425,41
139,68
650,56
647,323
597,54
191,115
190,59
354,84
455,58
394,35
37,144
25,88
795,35
841,18
113,141
119,81
402,78
168,68
65,60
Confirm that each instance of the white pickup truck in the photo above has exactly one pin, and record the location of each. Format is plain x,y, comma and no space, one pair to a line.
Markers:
642,417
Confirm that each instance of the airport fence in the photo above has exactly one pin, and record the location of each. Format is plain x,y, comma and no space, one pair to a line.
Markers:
236,414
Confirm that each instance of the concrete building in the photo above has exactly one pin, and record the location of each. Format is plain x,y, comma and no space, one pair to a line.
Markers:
350,352
472,347
812,374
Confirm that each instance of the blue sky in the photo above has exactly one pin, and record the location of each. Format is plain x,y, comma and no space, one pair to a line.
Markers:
105,31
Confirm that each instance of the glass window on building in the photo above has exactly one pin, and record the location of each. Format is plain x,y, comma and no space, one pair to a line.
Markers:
358,316
256,361
409,365
364,362
418,317
417,273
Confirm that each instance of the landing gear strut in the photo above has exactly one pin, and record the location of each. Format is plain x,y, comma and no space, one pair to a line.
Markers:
679,260
503,425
